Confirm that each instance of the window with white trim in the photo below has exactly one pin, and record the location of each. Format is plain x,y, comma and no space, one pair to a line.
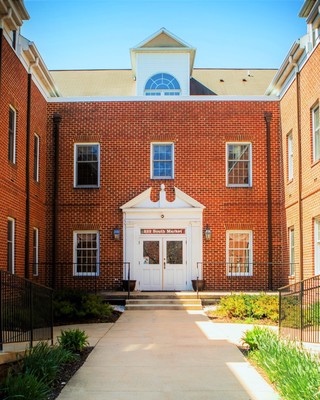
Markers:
87,165
315,133
290,156
12,135
10,245
35,252
317,246
86,252
36,157
162,84
291,251
239,253
162,160
239,165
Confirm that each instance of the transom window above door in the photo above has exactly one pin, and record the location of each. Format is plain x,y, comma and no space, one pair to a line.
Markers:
162,161
162,85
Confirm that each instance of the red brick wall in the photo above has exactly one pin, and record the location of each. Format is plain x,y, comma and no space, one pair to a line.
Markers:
14,92
200,131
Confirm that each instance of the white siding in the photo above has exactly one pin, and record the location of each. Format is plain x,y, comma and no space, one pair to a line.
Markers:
150,64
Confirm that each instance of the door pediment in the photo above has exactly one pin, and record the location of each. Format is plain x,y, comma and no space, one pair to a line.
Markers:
181,201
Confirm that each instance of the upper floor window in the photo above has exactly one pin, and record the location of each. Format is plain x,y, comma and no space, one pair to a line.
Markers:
10,244
35,248
316,133
12,135
86,252
239,253
290,156
162,161
162,85
36,157
87,165
239,164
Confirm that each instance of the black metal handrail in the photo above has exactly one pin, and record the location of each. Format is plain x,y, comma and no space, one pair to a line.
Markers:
299,310
26,310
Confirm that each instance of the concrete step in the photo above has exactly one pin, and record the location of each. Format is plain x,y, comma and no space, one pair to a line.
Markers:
164,301
165,306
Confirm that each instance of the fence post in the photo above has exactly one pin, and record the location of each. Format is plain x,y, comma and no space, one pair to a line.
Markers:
128,280
31,314
301,310
51,316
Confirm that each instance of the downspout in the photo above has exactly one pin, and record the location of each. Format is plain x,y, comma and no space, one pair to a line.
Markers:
268,118
299,173
27,224
56,123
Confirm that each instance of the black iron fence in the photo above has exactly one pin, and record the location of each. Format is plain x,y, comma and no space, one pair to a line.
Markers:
299,310
92,277
25,310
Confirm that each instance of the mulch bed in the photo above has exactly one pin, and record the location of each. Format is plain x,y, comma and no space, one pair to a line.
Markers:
111,319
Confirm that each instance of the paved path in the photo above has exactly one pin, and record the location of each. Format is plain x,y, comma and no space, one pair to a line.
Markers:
167,355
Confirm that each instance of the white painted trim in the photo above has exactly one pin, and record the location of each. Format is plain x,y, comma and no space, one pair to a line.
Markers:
75,166
35,247
94,99
313,110
36,138
13,241
316,247
14,160
152,144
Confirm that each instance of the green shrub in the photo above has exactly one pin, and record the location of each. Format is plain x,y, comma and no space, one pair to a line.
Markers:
295,372
43,361
71,304
249,307
25,386
73,340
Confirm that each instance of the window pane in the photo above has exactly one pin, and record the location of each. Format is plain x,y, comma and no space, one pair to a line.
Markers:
163,160
36,158
239,252
151,254
12,132
316,133
87,253
87,165
238,164
174,252
10,246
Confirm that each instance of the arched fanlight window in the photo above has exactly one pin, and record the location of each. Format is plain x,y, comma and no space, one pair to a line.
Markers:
162,85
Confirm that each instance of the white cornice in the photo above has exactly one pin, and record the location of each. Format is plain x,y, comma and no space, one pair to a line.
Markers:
12,13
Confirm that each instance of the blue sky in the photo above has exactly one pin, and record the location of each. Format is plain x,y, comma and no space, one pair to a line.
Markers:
97,34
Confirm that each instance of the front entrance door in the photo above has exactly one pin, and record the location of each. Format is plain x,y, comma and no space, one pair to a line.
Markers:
163,265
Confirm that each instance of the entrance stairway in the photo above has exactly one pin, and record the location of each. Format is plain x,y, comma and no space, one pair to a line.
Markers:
164,301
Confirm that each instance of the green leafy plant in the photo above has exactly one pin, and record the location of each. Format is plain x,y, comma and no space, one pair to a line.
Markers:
25,386
294,371
73,340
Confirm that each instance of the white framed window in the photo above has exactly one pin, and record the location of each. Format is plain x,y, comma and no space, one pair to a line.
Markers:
239,253
35,251
291,252
317,246
86,253
87,165
36,157
11,245
12,135
162,84
290,156
162,160
315,133
239,165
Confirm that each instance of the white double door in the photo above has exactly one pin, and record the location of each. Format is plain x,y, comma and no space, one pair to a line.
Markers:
163,263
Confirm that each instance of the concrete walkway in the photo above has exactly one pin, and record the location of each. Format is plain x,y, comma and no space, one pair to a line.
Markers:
167,355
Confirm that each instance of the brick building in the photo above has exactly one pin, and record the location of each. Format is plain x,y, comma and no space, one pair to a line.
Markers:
176,171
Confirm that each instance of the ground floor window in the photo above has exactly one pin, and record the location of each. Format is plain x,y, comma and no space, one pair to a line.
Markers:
317,247
239,253
86,252
10,244
291,251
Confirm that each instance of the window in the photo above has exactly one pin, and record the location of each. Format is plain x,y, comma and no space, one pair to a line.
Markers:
162,158
291,251
317,247
290,156
10,245
87,165
35,248
316,133
239,253
12,135
162,85
36,157
238,164
86,252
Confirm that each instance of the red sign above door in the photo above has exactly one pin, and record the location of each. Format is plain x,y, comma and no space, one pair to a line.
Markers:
171,231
